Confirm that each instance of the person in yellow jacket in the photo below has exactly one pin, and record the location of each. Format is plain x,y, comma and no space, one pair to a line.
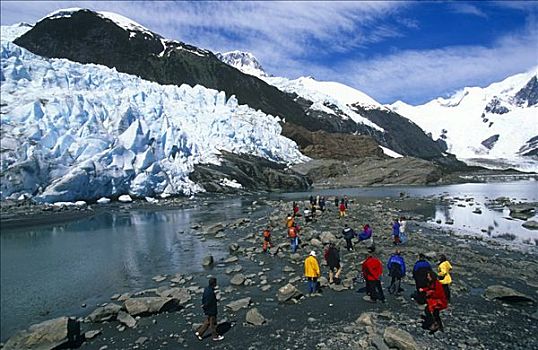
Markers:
312,272
444,274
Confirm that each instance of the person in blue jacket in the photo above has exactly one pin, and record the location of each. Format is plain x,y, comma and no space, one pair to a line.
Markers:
209,305
396,267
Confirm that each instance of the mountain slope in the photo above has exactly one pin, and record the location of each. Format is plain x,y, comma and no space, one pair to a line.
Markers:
86,36
71,131
495,124
348,110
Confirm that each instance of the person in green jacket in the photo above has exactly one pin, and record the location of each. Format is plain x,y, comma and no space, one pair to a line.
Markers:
444,269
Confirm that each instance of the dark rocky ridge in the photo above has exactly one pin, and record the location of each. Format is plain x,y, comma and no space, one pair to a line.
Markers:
253,173
528,95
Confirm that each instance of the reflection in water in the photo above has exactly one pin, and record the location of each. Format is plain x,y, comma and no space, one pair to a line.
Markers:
492,223
50,271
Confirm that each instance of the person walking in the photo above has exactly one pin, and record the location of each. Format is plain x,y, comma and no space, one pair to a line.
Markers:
209,305
312,272
396,232
435,302
346,202
396,267
444,269
295,209
336,202
420,270
267,239
332,257
322,204
372,269
348,234
294,238
342,209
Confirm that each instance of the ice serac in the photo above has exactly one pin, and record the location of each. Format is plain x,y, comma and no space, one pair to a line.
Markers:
495,126
63,139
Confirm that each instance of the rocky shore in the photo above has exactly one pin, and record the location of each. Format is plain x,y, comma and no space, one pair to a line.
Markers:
262,303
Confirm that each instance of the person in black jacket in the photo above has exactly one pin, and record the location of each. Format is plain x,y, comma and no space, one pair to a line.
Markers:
332,256
209,304
348,234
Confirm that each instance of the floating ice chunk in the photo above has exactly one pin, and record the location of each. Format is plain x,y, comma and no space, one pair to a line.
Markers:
151,200
230,183
103,200
125,198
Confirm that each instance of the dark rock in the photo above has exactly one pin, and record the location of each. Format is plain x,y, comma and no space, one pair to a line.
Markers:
254,317
148,305
506,294
287,293
208,261
399,339
62,332
104,313
531,225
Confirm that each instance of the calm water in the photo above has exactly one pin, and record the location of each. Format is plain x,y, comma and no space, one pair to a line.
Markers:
51,271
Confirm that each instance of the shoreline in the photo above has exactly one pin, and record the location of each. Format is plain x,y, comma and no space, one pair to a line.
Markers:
335,311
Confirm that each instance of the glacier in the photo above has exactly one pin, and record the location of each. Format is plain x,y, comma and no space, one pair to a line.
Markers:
73,131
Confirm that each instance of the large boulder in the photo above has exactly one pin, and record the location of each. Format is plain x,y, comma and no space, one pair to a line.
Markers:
238,279
104,313
506,294
365,319
214,229
149,305
239,304
327,237
126,319
254,317
180,295
62,332
399,339
288,292
208,261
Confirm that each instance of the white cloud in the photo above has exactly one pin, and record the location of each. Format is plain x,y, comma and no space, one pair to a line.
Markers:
411,75
467,9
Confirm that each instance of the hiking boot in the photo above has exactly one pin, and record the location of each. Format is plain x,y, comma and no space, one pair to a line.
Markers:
218,338
198,336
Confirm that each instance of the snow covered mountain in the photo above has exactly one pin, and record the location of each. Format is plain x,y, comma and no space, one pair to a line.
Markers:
244,61
81,131
343,109
495,126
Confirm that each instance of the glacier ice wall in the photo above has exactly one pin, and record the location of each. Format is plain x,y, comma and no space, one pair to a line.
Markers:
71,131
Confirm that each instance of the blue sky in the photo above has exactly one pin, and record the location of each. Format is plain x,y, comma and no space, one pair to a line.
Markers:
410,51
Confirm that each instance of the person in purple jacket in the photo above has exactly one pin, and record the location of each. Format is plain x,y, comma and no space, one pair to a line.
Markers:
396,267
396,232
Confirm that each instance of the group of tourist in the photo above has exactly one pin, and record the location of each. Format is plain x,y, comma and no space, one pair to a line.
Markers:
432,290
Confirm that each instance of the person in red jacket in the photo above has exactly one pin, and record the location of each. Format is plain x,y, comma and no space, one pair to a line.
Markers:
372,269
435,302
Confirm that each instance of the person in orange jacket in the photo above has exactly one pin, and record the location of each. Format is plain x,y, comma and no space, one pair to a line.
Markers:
267,239
435,302
312,272
293,234
372,269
